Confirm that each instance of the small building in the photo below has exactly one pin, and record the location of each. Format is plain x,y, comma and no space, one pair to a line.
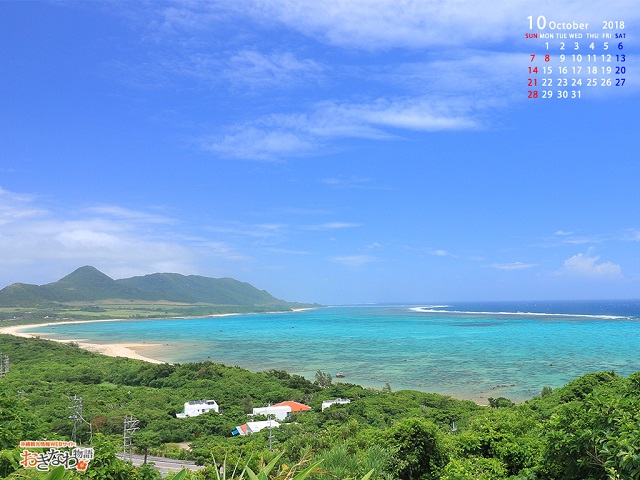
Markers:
339,401
295,406
198,407
279,412
253,427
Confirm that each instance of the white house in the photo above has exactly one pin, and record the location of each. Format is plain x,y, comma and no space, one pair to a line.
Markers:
280,412
198,407
253,427
339,401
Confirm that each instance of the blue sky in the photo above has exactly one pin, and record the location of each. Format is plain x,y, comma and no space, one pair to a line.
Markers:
332,152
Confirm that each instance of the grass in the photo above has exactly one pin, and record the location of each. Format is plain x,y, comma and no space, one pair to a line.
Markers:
121,309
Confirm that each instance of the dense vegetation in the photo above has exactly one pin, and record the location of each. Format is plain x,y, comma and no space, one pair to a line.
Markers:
88,293
587,429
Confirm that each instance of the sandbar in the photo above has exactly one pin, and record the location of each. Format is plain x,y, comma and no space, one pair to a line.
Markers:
127,350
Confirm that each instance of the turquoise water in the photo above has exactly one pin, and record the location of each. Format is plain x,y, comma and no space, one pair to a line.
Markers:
472,351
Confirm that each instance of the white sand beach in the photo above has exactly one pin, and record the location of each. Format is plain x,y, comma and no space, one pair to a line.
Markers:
129,350
112,350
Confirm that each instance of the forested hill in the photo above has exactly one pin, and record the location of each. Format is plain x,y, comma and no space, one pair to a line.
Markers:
587,429
88,284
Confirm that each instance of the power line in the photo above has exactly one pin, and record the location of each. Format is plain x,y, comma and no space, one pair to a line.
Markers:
76,416
270,417
130,426
4,365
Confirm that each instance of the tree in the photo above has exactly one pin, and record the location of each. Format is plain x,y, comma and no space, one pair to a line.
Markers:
595,438
511,436
106,466
474,468
420,453
248,404
323,379
500,402
145,440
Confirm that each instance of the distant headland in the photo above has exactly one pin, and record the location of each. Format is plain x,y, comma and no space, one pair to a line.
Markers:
89,294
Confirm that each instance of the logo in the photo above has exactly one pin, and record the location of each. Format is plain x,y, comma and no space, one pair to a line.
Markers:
73,456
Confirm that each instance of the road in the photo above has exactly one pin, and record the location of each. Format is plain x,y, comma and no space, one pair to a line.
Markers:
163,465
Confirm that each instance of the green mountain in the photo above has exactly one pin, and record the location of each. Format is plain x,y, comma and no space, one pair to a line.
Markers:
174,287
88,284
19,294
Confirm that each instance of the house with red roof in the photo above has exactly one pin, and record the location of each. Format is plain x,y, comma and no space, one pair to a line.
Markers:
282,410
254,427
279,411
295,406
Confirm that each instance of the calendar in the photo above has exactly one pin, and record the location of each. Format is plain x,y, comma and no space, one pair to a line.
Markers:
572,59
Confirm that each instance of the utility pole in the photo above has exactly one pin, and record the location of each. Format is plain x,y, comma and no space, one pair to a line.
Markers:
76,416
4,365
270,417
130,426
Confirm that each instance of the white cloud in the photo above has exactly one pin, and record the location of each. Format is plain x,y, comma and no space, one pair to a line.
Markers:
78,239
453,88
125,213
287,251
332,226
284,135
386,24
413,114
86,241
15,206
389,23
354,260
253,69
438,252
254,231
35,239
479,76
512,266
586,266
460,56
251,143
351,182
221,250
582,240
632,235
563,238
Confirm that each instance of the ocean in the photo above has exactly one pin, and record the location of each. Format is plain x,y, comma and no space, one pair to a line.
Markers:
467,350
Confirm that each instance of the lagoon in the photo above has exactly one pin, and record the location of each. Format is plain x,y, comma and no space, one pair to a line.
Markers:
466,350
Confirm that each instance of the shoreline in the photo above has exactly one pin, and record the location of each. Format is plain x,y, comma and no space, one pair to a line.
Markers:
128,350
138,350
